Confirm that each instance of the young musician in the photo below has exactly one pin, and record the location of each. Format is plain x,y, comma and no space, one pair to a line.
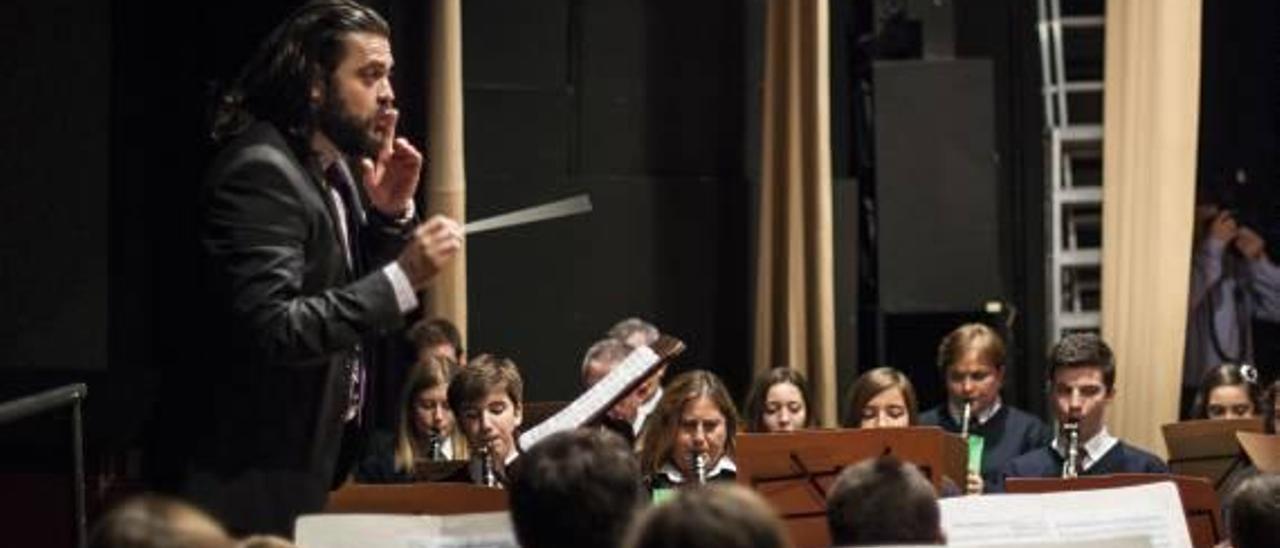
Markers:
425,432
1083,375
779,402
690,436
1228,391
881,398
486,397
972,360
437,337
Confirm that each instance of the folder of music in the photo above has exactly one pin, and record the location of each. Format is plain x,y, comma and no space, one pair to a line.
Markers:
604,394
475,530
1149,514
1201,510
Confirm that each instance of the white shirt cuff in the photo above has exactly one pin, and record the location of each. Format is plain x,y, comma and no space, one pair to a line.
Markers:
406,299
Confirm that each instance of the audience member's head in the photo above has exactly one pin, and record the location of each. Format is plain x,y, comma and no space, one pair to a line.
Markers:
265,541
1254,515
486,397
635,332
575,488
723,515
1271,408
694,416
881,398
599,361
972,359
154,521
1082,374
883,501
425,413
438,337
1228,391
779,402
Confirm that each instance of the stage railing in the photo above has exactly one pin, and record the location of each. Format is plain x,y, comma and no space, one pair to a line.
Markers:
36,404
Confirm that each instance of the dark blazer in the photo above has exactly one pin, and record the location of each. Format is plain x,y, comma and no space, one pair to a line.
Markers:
1047,463
1009,433
283,314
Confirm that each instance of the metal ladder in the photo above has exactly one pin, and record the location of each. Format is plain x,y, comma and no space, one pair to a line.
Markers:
1071,59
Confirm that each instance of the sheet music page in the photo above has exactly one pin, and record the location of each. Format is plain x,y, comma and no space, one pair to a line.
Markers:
1132,542
483,530
1153,512
595,398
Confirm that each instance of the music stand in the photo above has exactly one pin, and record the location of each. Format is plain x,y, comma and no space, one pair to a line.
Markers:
1263,450
795,470
442,471
1199,499
441,499
1206,448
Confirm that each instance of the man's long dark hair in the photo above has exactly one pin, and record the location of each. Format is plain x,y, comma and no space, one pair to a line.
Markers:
275,85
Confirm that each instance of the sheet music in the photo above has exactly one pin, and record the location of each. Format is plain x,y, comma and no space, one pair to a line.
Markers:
1153,512
636,365
482,530
1133,542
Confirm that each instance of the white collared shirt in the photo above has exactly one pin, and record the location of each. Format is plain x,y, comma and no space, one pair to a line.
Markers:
446,448
672,473
406,297
957,413
1094,449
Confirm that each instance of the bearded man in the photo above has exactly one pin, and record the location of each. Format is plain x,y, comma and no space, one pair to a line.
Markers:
312,251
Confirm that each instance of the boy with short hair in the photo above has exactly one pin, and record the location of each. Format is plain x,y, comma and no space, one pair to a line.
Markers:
1082,375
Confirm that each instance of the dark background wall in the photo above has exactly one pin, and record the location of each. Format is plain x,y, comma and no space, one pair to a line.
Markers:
584,97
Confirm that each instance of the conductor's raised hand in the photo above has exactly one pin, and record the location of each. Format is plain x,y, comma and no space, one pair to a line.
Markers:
391,178
433,244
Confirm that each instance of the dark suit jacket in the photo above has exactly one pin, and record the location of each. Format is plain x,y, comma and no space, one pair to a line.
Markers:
284,314
1047,463
1009,433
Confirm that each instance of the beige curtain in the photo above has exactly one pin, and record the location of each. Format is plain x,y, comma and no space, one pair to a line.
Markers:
794,323
445,179
1151,111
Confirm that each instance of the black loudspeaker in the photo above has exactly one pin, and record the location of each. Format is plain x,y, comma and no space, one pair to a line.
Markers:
936,186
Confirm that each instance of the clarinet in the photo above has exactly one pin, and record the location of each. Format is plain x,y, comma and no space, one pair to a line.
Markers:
700,467
1069,466
487,476
436,445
